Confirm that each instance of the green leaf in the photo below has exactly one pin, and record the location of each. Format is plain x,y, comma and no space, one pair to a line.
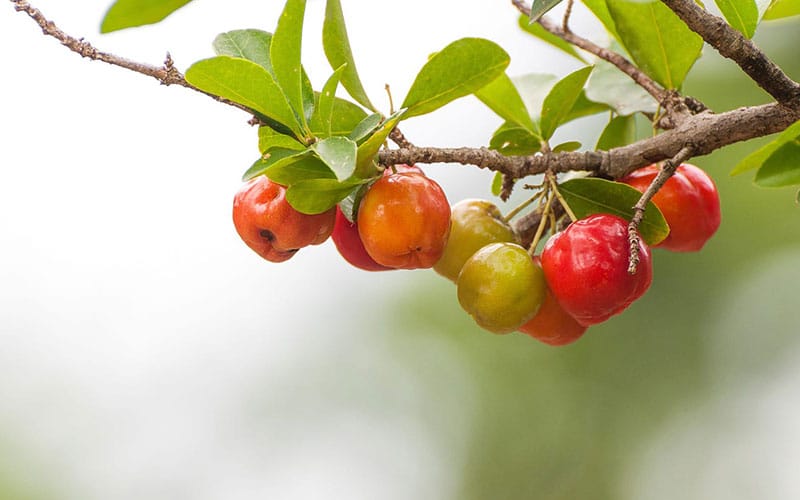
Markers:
285,51
585,107
659,42
349,204
538,31
540,8
512,140
246,83
782,168
620,131
315,196
567,146
337,49
459,69
497,184
740,14
600,9
324,107
533,88
269,138
274,157
779,9
503,98
339,153
609,85
346,116
369,149
130,13
252,45
366,127
757,158
309,96
560,99
588,196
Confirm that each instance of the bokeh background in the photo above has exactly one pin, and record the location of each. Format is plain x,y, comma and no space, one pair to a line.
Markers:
145,352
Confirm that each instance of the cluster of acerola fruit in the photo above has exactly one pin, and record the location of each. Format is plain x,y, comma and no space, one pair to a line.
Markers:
404,221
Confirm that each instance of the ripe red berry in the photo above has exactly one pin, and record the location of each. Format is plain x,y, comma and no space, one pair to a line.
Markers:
586,267
270,226
552,324
689,201
404,221
347,240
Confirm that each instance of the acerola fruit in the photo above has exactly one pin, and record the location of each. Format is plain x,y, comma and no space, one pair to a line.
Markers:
586,266
473,225
501,287
348,242
552,324
270,226
689,201
404,221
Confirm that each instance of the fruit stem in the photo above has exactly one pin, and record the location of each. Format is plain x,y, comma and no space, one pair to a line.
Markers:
542,222
513,213
554,184
391,101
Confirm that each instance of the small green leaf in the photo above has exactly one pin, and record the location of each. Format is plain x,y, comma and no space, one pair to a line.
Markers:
285,54
252,45
567,147
740,14
538,31
339,153
269,138
459,69
659,42
782,168
533,88
779,9
349,205
610,86
309,96
130,13
301,168
540,8
366,127
512,141
346,116
588,196
497,184
246,83
585,107
315,196
324,107
757,158
369,149
337,49
503,98
621,130
273,157
560,100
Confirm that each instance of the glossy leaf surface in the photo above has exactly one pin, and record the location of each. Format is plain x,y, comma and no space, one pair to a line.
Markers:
130,13
337,49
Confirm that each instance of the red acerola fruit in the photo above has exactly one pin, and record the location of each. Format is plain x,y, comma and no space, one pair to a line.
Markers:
586,267
404,221
689,201
347,240
553,325
270,226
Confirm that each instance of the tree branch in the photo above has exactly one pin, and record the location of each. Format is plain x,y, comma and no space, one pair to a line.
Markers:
735,46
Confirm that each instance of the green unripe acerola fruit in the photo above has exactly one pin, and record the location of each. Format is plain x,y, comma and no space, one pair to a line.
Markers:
501,287
473,225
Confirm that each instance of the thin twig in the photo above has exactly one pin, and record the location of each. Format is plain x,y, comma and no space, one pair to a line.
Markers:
166,74
667,171
623,64
567,14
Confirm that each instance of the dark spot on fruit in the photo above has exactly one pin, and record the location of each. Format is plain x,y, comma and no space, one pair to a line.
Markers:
267,235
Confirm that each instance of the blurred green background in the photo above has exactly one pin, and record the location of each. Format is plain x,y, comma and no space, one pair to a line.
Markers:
356,383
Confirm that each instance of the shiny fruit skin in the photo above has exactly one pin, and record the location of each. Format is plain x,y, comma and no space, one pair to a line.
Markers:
586,267
501,287
553,325
271,227
404,221
689,201
473,225
348,242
